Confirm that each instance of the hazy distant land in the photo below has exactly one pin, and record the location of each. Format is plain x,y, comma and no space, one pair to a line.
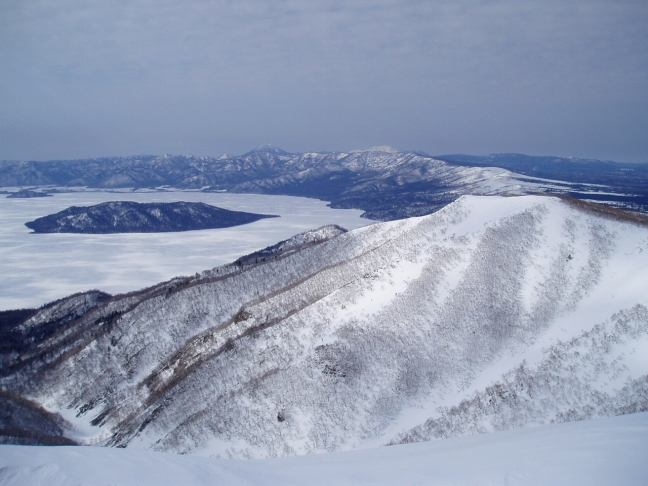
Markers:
26,194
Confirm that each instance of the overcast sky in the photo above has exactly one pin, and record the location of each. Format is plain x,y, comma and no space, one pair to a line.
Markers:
90,78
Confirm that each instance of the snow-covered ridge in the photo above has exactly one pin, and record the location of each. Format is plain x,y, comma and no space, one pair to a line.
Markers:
489,314
292,244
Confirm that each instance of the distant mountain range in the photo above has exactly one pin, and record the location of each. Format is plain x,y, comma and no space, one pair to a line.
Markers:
620,177
384,183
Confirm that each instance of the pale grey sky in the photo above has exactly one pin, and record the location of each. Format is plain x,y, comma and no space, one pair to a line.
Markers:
89,78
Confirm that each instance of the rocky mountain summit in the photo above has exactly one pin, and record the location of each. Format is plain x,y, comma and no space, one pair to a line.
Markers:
492,313
132,217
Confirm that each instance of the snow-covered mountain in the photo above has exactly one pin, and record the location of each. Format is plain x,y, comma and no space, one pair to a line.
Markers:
384,183
493,313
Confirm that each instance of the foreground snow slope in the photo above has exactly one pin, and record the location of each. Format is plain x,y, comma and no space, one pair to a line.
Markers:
610,452
491,314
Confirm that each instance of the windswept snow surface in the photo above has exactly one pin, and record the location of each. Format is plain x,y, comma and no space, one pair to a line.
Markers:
602,452
493,313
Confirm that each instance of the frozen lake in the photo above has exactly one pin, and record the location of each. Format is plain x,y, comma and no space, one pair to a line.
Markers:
39,268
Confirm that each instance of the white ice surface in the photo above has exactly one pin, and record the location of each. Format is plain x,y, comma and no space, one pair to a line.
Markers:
39,268
610,451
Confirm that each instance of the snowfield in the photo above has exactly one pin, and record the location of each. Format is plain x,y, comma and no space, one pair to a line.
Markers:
494,313
39,268
601,452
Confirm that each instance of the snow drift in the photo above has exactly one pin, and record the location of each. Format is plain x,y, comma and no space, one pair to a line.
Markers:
603,452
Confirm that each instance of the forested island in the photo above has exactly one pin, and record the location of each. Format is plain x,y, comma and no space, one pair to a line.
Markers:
132,217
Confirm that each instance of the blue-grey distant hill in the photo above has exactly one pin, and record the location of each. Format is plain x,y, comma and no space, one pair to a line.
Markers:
627,183
568,169
27,194
386,184
132,217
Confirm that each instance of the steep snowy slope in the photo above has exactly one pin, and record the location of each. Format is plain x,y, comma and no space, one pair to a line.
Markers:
490,314
603,452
